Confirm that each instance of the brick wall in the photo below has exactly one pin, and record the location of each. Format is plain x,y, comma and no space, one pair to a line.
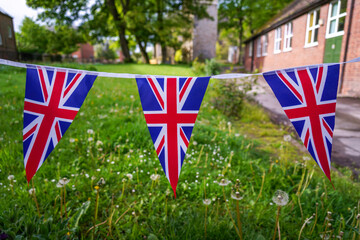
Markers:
351,80
8,48
299,55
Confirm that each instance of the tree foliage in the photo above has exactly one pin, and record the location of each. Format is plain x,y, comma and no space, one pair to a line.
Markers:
35,38
144,22
240,18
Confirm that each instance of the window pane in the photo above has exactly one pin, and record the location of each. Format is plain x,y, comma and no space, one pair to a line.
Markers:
311,19
290,42
316,35
341,24
309,36
343,5
334,9
317,17
0,40
9,32
332,26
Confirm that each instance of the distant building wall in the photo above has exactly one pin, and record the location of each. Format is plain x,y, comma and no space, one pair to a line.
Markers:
84,54
8,48
302,54
351,80
205,34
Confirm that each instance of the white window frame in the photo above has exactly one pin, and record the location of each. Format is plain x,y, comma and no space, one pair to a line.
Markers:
288,34
277,40
312,28
258,47
250,49
265,44
336,18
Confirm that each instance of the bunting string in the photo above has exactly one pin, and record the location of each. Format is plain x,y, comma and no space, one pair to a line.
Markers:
129,75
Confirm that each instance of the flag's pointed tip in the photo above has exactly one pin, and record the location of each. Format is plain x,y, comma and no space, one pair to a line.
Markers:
329,177
174,189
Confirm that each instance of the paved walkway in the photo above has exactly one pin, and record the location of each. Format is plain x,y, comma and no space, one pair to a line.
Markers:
346,141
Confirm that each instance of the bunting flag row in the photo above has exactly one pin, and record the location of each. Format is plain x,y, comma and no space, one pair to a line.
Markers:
53,97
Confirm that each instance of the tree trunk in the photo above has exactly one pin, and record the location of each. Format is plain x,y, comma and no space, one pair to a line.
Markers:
161,27
241,42
143,51
121,28
164,53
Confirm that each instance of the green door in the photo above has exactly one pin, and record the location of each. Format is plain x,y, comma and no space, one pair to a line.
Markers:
332,49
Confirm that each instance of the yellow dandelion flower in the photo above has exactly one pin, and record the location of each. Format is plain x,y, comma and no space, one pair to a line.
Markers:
96,187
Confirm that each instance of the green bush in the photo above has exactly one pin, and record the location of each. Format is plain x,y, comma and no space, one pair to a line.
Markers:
231,94
198,67
212,67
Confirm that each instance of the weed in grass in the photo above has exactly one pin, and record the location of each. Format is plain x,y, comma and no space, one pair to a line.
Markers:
280,198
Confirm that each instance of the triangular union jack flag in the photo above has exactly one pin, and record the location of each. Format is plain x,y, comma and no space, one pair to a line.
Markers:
52,99
308,97
171,105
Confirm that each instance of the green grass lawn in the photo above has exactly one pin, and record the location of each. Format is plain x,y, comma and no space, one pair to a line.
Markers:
109,139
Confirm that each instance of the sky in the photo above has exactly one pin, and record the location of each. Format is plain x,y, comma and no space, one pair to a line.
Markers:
18,10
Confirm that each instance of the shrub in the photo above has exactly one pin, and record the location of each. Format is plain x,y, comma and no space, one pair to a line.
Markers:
198,67
231,94
211,67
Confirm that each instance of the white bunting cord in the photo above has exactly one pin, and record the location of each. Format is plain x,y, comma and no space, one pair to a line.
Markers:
128,75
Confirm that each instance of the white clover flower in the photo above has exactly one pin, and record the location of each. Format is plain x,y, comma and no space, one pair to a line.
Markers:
72,140
64,181
118,173
11,177
87,175
207,201
236,196
98,169
90,131
53,180
129,175
133,190
90,139
287,138
224,182
99,143
280,198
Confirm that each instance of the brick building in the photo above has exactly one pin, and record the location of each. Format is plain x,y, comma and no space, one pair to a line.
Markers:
310,32
85,53
8,48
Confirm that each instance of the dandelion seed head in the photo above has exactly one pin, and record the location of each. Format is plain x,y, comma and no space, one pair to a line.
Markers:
224,182
130,176
236,196
155,177
59,185
11,177
207,201
32,191
280,198
287,138
93,178
64,181
101,181
90,131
